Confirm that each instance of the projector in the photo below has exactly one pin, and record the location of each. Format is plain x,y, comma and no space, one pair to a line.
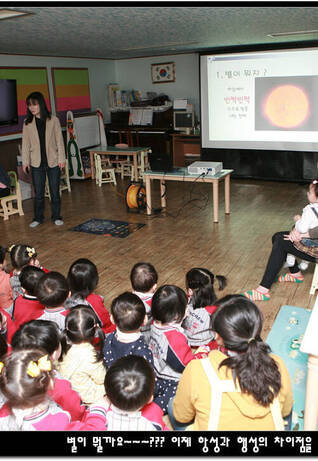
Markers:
206,168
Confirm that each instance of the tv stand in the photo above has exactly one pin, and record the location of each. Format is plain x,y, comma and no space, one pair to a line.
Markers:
185,147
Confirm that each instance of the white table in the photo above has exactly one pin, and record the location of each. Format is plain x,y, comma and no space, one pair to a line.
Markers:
181,174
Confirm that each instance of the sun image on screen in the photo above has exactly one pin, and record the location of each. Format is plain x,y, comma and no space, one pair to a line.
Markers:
285,103
287,106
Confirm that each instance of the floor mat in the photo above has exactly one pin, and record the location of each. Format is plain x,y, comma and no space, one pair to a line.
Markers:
285,339
108,228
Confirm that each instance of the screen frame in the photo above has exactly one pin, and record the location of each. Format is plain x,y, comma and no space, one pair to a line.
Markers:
283,165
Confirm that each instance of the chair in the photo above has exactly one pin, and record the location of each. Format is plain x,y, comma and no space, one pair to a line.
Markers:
127,168
6,203
314,283
143,165
65,182
104,172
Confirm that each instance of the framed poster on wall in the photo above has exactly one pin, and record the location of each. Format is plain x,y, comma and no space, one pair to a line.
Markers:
71,91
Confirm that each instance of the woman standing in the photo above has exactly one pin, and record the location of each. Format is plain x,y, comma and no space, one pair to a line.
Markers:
43,151
246,389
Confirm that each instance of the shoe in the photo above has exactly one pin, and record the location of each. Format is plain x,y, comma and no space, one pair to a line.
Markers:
34,224
303,266
58,222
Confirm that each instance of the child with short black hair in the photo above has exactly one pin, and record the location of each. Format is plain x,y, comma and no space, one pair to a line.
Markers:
201,299
144,278
129,386
27,306
6,294
25,379
21,256
128,314
46,335
83,279
80,362
52,291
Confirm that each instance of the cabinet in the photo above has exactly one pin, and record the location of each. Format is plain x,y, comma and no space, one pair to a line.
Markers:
185,147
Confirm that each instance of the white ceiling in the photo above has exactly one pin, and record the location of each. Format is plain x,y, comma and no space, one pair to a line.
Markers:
118,32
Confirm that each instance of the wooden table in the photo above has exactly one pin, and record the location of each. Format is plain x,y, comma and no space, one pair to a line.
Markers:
111,150
181,174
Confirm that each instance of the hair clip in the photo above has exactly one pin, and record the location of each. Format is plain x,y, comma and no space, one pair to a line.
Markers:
250,340
35,368
1,366
11,248
30,251
315,181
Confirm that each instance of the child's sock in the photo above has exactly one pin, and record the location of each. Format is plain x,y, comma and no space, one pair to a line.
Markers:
256,295
288,277
303,266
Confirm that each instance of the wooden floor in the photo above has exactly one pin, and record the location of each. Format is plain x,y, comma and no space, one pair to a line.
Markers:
174,241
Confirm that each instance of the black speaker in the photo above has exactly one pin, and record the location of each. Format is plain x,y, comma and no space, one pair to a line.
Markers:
160,162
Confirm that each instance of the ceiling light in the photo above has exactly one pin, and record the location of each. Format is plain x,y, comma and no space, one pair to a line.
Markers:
299,32
5,13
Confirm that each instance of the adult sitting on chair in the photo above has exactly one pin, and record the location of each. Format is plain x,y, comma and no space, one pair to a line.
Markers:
284,243
43,150
4,183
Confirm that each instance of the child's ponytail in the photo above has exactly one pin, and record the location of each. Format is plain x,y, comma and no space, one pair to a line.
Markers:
21,255
201,282
25,377
81,325
238,321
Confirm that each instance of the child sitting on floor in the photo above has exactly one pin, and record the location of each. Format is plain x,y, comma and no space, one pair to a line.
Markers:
25,379
6,294
201,299
83,279
52,291
21,256
168,342
80,362
144,278
46,335
128,314
27,306
129,386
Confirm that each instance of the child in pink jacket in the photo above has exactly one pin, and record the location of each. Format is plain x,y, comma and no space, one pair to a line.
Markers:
25,380
6,294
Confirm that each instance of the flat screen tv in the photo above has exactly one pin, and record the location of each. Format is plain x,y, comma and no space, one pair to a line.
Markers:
8,102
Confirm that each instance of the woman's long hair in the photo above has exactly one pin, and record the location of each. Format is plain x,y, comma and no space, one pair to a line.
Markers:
37,98
239,323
